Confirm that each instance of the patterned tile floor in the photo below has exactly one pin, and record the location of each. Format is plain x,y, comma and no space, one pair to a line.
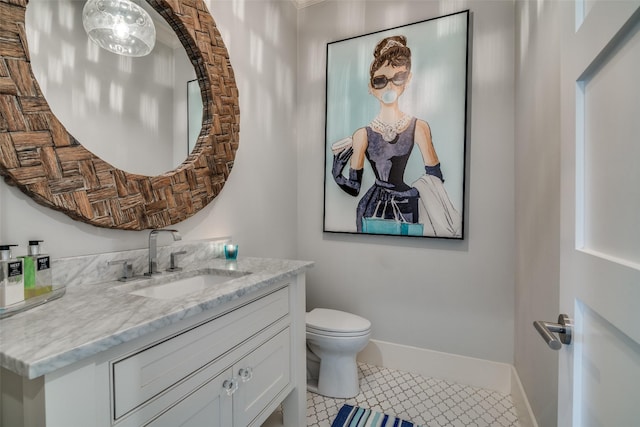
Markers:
423,401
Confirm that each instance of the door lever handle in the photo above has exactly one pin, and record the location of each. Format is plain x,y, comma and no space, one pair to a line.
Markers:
564,329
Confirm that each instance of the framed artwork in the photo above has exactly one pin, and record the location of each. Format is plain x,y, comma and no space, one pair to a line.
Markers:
395,136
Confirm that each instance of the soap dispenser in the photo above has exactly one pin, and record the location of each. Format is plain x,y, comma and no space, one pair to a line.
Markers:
37,271
11,278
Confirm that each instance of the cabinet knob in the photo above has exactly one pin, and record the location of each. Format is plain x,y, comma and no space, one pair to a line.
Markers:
245,374
230,386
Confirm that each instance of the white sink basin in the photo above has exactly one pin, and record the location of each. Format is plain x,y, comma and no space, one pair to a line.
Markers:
182,287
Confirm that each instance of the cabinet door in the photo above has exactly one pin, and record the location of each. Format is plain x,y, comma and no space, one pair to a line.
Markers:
261,375
208,406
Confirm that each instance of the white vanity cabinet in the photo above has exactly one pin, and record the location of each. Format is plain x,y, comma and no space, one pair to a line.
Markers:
239,360
237,395
229,366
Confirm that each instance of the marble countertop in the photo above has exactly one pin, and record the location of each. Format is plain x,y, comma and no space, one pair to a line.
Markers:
89,319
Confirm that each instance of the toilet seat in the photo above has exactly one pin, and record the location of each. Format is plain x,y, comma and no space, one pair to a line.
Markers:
337,334
335,323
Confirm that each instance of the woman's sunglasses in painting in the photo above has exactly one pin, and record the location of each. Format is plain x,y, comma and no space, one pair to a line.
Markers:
398,79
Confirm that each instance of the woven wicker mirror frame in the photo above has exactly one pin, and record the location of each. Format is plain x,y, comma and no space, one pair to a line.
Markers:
40,157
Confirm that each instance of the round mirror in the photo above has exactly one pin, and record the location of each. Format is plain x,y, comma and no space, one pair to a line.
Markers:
46,161
130,112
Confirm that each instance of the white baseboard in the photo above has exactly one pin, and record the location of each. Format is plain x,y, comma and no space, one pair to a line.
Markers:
520,401
435,364
500,377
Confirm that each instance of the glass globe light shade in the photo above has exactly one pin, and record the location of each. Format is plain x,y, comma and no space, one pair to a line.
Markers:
119,26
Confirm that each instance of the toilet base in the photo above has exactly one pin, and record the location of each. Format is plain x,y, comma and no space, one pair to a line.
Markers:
338,377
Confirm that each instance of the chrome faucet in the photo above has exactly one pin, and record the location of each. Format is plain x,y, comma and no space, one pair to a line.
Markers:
153,249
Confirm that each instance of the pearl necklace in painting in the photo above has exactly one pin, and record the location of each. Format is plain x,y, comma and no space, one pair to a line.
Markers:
388,131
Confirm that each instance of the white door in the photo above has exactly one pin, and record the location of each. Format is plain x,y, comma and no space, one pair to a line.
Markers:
599,374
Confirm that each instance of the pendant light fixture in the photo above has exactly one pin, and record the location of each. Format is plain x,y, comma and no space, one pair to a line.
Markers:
119,26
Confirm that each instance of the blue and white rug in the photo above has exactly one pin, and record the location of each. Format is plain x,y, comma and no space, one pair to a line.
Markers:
354,416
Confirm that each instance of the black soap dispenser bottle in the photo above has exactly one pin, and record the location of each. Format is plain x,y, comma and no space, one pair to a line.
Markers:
37,271
11,278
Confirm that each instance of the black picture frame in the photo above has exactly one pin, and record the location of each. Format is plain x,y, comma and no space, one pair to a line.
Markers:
372,167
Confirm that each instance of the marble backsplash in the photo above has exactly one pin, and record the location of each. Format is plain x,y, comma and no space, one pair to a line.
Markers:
99,268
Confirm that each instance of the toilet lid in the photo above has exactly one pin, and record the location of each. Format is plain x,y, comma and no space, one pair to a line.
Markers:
324,319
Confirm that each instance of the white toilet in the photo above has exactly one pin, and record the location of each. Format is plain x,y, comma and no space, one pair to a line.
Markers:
334,338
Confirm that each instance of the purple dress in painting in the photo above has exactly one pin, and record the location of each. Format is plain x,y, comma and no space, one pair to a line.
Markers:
388,161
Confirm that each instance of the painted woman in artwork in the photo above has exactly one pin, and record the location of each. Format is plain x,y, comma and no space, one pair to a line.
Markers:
423,207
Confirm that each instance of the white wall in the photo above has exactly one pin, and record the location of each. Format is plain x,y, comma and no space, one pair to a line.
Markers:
537,163
450,296
258,204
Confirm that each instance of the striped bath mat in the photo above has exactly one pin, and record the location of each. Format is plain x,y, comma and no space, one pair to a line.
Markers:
354,416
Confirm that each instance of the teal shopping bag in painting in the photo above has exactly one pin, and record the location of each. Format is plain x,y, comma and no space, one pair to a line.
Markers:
381,226
397,225
409,229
